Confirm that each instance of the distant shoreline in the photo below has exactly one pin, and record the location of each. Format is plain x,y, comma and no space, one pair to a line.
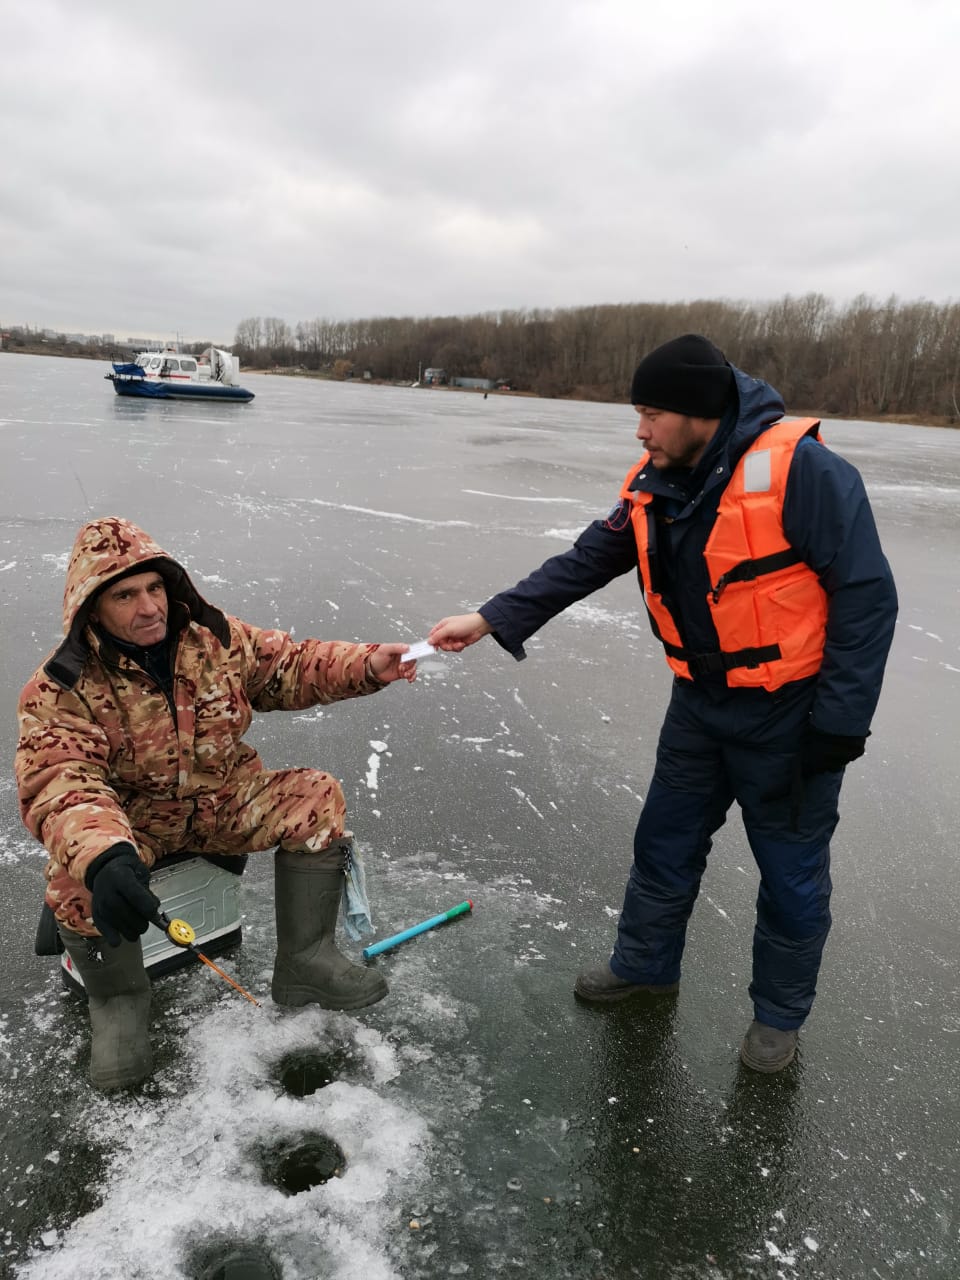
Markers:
908,419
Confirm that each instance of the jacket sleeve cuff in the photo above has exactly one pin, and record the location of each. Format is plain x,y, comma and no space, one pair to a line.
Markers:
108,855
371,681
501,632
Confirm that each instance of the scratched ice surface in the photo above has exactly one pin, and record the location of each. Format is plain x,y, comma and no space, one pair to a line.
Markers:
489,1125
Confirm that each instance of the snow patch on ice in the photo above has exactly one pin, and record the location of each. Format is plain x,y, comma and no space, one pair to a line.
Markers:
393,515
373,768
565,535
16,849
719,910
595,615
522,497
789,1258
523,796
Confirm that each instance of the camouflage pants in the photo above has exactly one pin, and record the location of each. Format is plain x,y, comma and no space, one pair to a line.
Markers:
299,809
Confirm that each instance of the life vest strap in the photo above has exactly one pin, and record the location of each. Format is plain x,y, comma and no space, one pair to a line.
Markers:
702,664
748,570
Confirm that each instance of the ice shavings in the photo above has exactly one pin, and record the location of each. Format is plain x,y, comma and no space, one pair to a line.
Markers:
186,1168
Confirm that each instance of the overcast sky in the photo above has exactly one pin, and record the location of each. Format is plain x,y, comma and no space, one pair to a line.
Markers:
175,168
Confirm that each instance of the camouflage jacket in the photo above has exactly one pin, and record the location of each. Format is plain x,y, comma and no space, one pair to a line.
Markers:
98,737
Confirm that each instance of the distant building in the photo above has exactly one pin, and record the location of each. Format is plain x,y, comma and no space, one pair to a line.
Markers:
148,344
474,384
434,377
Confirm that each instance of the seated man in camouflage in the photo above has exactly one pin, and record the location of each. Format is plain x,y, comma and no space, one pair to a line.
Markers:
131,749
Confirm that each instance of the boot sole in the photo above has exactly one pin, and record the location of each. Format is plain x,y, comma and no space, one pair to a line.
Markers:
296,998
765,1066
614,997
110,1084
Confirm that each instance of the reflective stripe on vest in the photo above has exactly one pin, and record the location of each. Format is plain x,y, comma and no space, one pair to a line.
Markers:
767,606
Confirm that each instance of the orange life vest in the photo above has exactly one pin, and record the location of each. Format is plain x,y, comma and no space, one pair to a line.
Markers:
768,607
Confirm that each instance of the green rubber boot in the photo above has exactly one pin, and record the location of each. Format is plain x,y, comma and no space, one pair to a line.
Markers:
118,997
309,969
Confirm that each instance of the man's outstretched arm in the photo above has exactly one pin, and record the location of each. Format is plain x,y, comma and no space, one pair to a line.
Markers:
600,554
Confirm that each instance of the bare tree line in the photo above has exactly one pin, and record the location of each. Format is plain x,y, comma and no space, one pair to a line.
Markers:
865,359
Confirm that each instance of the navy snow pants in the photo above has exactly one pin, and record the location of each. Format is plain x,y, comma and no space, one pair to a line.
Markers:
717,746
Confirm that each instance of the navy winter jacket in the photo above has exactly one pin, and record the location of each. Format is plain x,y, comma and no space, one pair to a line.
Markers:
826,517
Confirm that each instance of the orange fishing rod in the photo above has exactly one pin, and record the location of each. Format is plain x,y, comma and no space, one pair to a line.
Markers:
182,934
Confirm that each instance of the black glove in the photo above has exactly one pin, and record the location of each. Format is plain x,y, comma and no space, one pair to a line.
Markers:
122,902
829,752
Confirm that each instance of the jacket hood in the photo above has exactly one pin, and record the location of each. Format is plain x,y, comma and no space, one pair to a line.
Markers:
105,549
760,406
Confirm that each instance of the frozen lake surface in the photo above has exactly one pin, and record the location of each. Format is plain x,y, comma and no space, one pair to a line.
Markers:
489,1124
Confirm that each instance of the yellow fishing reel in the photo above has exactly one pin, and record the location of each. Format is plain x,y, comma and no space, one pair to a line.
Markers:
181,933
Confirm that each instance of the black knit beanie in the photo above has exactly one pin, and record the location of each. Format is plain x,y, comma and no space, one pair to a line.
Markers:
688,375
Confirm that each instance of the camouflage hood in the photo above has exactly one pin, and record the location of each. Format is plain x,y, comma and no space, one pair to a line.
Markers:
105,549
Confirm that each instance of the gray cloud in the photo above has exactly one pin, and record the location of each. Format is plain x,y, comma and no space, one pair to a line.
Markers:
179,168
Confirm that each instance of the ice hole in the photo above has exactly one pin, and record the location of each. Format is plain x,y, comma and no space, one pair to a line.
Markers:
226,1260
304,1071
297,1164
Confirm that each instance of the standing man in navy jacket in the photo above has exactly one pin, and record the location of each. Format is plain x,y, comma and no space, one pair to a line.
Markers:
763,577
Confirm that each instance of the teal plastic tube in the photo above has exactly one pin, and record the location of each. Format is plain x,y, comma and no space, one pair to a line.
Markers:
375,948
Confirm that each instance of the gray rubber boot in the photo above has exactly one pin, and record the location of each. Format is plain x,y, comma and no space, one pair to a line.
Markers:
118,997
602,986
309,969
766,1048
